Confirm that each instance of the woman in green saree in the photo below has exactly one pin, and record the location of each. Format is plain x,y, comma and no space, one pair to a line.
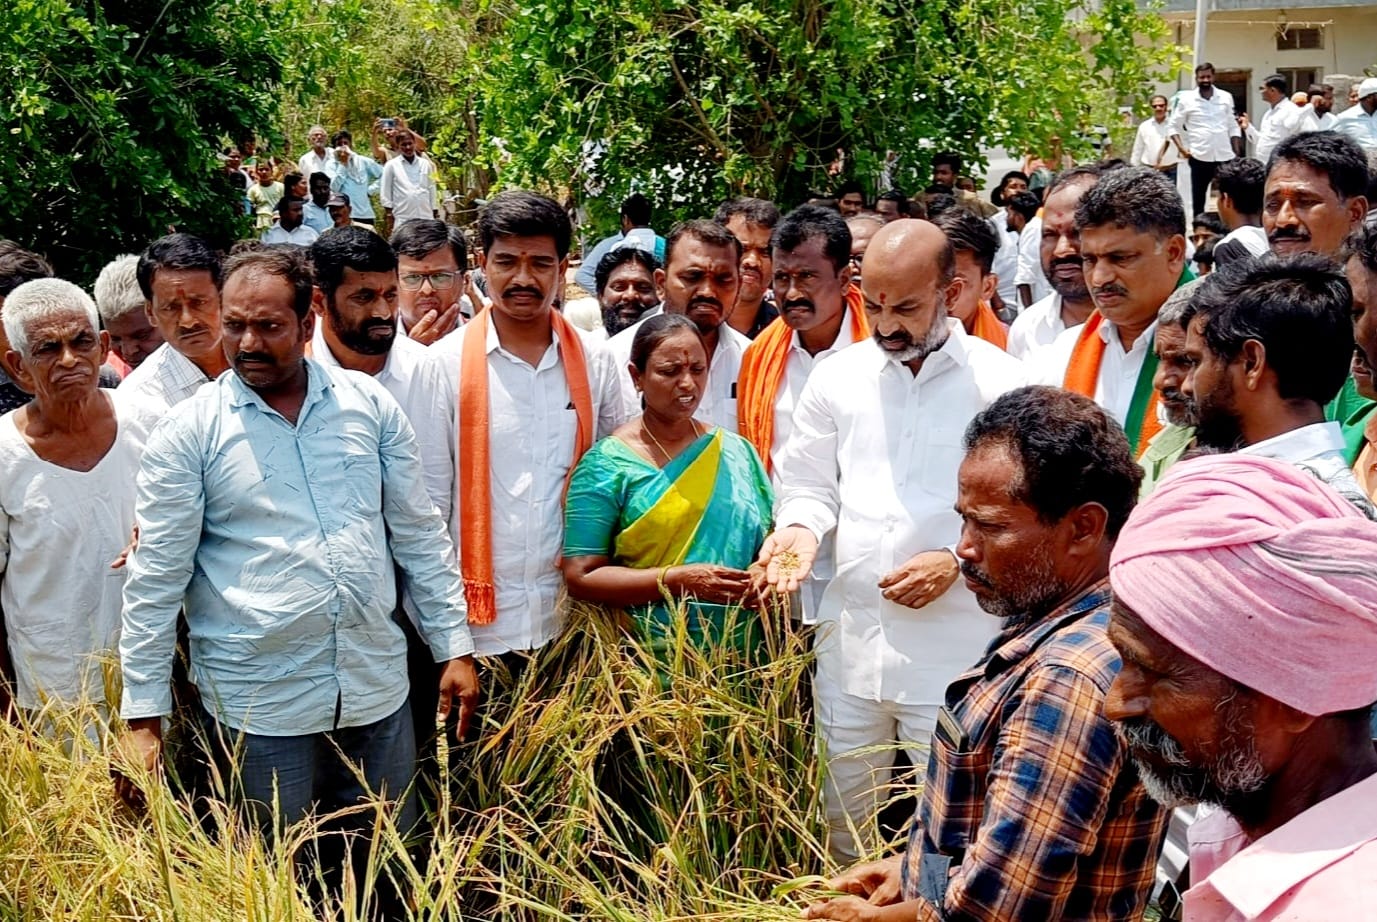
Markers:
667,505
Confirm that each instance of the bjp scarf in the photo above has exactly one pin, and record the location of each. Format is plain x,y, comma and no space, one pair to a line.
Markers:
475,470
988,327
1083,373
762,372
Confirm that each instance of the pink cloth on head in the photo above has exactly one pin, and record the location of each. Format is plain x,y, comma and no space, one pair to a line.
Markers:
1261,572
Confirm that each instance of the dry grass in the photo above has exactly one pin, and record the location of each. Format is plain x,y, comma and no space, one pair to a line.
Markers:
620,786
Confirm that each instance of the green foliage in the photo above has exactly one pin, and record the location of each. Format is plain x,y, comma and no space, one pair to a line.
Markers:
113,114
692,101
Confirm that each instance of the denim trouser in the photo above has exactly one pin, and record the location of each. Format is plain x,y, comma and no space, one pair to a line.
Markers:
313,772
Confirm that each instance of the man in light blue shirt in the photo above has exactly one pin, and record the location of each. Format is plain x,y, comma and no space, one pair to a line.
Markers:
1359,121
356,177
635,232
274,503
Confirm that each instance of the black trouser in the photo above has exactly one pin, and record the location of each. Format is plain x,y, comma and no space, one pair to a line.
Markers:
1202,174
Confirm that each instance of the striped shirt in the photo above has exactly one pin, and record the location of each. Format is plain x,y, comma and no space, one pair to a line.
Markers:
1032,808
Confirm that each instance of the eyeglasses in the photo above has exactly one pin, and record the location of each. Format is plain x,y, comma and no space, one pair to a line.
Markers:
413,281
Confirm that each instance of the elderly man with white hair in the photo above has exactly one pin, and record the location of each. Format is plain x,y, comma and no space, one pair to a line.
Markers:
121,305
68,460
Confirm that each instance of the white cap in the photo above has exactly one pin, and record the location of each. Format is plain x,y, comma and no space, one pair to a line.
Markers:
1367,87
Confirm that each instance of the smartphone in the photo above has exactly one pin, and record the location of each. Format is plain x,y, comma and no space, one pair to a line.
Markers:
389,123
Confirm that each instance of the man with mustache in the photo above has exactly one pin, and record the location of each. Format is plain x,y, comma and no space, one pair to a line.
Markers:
1269,342
180,278
532,396
1177,410
820,313
751,220
700,280
1249,683
1133,253
1315,193
870,467
1059,252
1031,809
275,502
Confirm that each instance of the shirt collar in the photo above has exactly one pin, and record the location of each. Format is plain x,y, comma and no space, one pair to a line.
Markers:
1110,334
494,344
241,395
320,351
1016,644
1301,444
1265,870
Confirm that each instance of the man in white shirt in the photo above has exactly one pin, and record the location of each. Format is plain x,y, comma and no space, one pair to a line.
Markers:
1152,145
1205,117
1133,250
407,189
1269,343
320,158
700,279
1359,122
1059,252
1240,182
871,465
291,225
1279,122
179,276
356,306
1029,280
533,419
1319,115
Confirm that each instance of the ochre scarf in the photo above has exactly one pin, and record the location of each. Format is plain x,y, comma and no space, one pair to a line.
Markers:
762,372
988,327
475,470
1083,373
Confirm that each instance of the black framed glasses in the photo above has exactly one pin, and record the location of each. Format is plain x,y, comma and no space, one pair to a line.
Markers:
412,281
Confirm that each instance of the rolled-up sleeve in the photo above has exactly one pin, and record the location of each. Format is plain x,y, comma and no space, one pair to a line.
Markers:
418,538
809,493
169,509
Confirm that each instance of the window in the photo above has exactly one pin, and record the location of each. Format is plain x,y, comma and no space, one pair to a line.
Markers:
1299,79
1300,39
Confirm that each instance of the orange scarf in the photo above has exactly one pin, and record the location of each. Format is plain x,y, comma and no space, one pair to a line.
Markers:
988,327
762,372
475,470
1083,373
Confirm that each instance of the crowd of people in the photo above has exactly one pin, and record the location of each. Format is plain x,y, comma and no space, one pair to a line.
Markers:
1086,536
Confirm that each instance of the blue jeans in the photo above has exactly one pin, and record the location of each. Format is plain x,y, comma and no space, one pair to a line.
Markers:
312,773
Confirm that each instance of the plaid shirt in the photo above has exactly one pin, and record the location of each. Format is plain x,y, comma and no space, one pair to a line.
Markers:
165,378
1031,798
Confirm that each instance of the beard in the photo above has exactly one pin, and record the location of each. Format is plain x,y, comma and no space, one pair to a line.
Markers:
1232,779
1024,593
1179,410
934,339
359,338
1217,424
1072,289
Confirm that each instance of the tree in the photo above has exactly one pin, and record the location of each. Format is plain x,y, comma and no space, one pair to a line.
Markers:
113,116
692,100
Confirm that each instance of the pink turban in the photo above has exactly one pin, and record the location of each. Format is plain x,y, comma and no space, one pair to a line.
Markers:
1261,572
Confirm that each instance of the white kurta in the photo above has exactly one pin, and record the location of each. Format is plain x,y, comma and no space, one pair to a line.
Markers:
1118,368
59,531
874,457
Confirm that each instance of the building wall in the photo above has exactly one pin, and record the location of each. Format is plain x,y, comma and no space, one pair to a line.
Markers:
1246,40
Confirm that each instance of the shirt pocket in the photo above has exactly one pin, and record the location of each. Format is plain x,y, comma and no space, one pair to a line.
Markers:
957,781
939,459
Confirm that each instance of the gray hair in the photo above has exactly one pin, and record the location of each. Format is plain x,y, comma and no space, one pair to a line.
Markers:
1173,310
117,289
44,299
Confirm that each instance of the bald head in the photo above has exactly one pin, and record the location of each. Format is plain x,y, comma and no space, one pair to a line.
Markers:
909,283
